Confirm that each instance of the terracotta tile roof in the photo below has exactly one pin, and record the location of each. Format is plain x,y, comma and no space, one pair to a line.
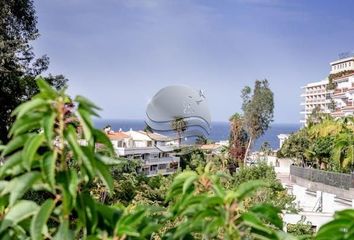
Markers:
117,135
210,146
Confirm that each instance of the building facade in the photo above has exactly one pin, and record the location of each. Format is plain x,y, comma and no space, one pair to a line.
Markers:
138,145
315,95
342,75
334,95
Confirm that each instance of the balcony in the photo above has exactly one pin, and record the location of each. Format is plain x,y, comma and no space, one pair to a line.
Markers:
317,101
166,171
315,92
162,160
136,150
340,93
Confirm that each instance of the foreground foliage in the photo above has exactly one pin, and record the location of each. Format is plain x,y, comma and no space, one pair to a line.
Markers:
56,183
53,152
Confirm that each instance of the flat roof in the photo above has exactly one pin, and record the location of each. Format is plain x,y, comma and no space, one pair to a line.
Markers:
342,60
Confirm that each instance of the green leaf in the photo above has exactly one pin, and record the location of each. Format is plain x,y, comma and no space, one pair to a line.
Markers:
104,175
20,211
3,184
30,149
46,89
28,107
48,168
64,232
252,221
12,161
87,103
177,184
48,126
71,137
73,184
66,180
188,182
20,185
269,213
112,161
90,211
246,188
40,219
14,144
335,229
86,123
101,137
23,126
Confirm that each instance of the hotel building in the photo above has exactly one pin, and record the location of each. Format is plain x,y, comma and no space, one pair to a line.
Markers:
138,145
315,96
341,96
342,74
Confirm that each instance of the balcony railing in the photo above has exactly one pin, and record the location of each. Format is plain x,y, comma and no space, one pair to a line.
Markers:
340,91
160,172
161,160
136,150
339,180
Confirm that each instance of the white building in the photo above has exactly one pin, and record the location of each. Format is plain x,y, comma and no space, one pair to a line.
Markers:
282,137
315,95
343,64
138,145
342,72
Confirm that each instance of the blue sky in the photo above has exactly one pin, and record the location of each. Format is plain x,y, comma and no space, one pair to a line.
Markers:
119,53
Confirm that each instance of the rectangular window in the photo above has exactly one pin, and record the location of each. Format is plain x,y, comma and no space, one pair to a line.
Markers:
162,166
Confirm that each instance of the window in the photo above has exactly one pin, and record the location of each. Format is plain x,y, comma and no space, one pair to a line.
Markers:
162,166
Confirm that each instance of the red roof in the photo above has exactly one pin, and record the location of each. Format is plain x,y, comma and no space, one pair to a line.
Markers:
117,135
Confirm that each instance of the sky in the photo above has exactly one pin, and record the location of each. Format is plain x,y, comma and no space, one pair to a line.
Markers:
119,53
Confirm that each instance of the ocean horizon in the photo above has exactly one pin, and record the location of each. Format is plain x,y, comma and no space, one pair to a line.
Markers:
219,130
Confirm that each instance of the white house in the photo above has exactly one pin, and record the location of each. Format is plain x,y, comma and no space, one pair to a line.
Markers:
142,146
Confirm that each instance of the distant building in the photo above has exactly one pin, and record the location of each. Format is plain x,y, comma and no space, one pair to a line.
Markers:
282,138
138,145
315,96
335,94
343,78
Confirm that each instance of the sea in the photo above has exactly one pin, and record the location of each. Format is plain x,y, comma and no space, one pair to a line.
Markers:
219,130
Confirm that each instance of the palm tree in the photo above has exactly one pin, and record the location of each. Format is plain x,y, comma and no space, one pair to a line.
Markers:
179,125
327,127
343,151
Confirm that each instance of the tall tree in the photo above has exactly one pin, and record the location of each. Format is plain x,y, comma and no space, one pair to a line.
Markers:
258,108
238,140
18,64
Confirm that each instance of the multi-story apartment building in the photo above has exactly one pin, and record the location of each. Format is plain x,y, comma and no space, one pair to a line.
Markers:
335,94
342,75
144,147
315,96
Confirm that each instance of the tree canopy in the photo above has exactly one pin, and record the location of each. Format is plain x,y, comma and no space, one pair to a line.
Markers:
19,65
258,108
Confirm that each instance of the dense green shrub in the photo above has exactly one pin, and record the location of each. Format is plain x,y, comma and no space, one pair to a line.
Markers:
275,194
56,152
52,169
